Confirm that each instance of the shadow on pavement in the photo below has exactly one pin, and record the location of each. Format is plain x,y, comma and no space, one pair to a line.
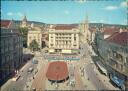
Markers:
26,58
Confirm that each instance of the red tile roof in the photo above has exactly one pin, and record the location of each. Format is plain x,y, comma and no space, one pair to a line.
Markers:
57,71
5,23
119,38
110,30
66,27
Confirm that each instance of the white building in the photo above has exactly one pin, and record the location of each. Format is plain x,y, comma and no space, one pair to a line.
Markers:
63,39
34,35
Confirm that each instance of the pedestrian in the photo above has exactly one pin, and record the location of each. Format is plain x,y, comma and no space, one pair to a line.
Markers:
88,78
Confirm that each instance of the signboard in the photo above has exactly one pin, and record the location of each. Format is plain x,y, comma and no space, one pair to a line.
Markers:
66,51
51,50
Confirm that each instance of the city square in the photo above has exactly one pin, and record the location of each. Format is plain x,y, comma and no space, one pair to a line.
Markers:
64,45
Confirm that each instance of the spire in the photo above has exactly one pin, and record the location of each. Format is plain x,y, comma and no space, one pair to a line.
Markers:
86,18
24,18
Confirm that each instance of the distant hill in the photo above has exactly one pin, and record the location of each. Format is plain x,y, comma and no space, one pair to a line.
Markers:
17,22
107,25
99,25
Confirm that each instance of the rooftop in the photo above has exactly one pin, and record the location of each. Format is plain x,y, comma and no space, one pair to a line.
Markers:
120,38
110,30
5,23
64,27
57,71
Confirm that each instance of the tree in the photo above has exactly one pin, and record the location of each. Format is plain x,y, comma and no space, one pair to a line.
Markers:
34,46
24,32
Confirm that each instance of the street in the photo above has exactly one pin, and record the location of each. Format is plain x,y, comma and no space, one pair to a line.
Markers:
85,74
89,69
22,81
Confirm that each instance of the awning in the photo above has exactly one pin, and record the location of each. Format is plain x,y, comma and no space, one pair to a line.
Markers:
117,80
101,68
75,51
66,51
51,50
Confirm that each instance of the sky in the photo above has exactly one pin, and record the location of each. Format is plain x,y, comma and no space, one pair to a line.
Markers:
67,12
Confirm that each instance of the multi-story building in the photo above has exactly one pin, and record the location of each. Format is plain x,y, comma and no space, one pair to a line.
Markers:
118,56
34,35
10,50
63,39
114,51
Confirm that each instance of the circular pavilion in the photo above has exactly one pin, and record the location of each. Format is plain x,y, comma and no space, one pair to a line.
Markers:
57,71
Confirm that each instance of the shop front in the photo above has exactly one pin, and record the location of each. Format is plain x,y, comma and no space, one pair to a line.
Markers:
101,67
118,81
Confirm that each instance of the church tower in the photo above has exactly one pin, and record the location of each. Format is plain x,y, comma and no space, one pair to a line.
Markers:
24,22
84,27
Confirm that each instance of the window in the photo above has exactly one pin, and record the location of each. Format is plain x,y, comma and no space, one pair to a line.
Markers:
74,45
51,44
3,59
30,38
66,42
75,38
127,61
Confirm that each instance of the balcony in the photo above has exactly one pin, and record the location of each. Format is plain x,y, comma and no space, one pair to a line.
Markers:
118,60
116,66
125,71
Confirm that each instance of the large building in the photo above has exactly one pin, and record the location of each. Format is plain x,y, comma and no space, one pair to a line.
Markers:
63,39
10,49
34,35
114,51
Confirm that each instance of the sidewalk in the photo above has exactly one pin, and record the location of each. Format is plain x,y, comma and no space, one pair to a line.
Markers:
102,77
105,80
40,79
39,66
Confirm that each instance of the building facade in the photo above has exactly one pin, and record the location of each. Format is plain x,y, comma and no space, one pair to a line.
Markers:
34,35
11,52
114,51
63,39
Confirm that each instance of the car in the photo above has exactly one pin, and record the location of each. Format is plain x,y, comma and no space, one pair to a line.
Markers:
30,70
16,77
35,61
33,89
36,71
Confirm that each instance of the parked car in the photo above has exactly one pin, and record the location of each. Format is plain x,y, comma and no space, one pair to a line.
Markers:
35,61
15,78
36,71
33,89
30,70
